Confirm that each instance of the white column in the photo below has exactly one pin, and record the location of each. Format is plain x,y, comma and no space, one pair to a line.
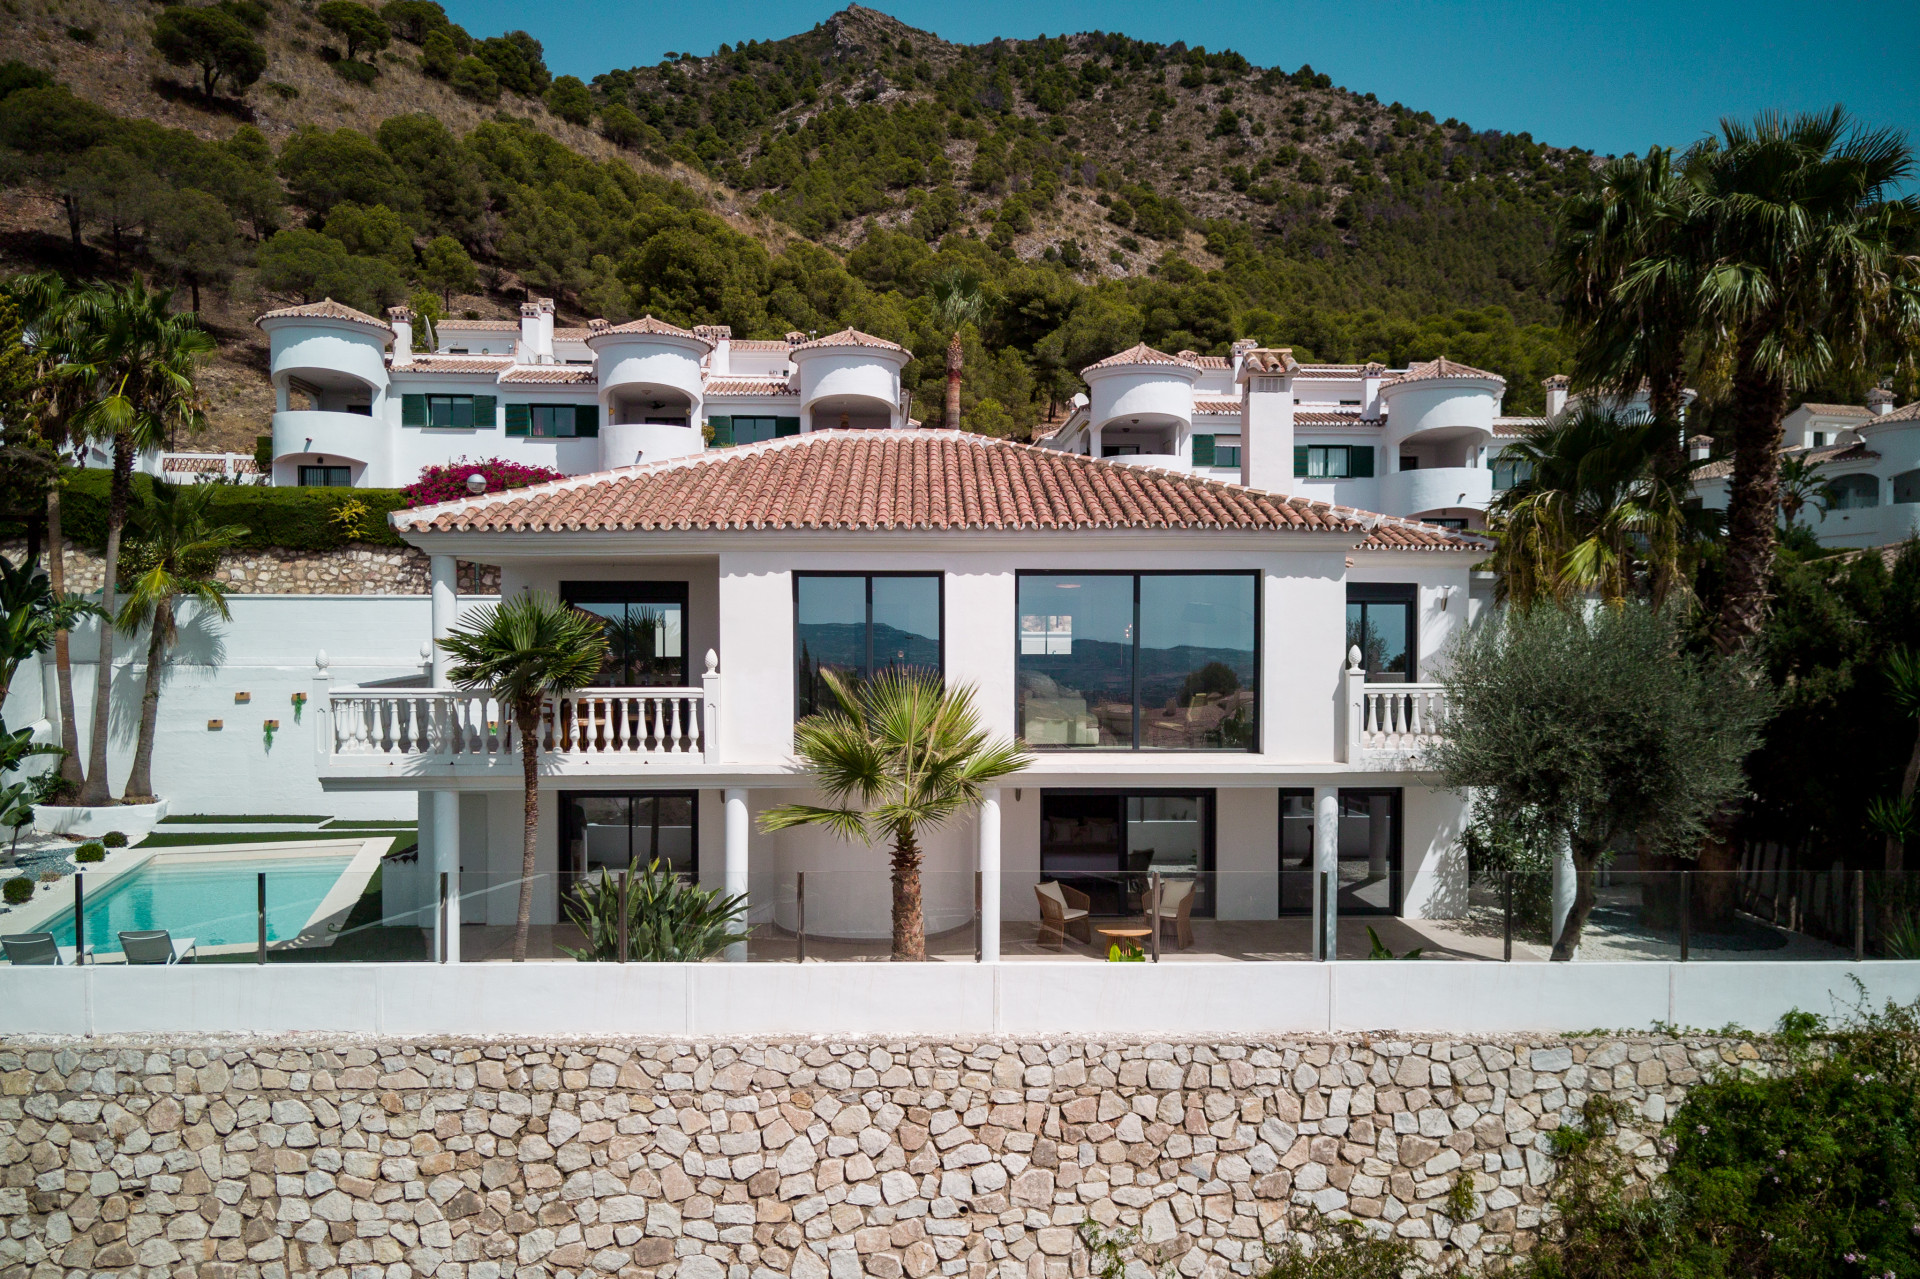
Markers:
1563,883
989,867
1326,871
1379,828
446,610
446,861
736,863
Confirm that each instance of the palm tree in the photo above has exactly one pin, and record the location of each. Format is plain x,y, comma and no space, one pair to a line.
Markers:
173,558
1622,263
1602,510
49,312
901,755
1801,486
957,303
1804,261
523,652
137,361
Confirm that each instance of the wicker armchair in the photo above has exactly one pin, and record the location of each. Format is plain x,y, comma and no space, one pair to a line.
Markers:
1063,910
1176,910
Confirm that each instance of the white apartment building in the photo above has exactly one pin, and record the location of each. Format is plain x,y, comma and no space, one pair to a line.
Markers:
355,405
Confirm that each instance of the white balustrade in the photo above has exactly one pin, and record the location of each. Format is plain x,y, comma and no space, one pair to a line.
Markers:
1400,717
590,722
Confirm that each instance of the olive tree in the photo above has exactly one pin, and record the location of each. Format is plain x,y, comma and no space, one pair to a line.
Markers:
1597,724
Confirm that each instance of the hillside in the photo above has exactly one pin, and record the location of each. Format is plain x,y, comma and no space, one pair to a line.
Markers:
1093,190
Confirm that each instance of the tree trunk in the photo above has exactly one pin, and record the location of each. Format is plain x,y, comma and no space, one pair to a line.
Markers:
1896,851
69,740
96,791
1664,400
72,203
1584,863
193,289
139,788
955,357
909,921
528,723
1760,402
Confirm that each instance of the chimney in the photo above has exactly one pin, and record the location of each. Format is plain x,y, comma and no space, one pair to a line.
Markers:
1240,348
1370,378
720,360
1556,387
1266,418
1879,401
536,331
1699,447
401,318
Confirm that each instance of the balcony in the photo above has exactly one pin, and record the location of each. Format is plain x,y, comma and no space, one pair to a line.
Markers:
1388,727
372,733
1441,488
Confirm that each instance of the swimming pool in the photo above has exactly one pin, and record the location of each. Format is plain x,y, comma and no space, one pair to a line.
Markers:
215,903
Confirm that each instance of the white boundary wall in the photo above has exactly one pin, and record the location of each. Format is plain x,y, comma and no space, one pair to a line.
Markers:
935,999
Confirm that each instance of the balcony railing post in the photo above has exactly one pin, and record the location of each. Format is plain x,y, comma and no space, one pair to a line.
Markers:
1352,709
710,708
320,706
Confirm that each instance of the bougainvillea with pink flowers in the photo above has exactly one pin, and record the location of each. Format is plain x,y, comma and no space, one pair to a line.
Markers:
449,483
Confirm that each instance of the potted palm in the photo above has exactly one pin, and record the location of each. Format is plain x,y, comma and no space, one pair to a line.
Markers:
901,755
523,652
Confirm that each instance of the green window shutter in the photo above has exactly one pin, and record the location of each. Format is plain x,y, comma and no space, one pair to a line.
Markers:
483,406
722,431
1203,450
1300,459
413,410
586,420
519,419
785,426
1360,462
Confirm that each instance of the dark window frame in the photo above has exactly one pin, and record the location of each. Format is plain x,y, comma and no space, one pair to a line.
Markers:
647,591
1259,652
1405,594
940,580
1206,876
306,470
571,877
1396,854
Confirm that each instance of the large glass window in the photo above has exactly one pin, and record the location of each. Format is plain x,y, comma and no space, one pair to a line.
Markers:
646,629
859,624
1906,487
451,410
1160,661
1507,473
1329,461
607,831
1853,492
1380,623
1369,852
753,430
1106,844
326,477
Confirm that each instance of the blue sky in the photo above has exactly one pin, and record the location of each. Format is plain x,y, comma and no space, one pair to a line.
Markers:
1604,74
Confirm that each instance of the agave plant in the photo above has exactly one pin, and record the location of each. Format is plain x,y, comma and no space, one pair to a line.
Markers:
669,920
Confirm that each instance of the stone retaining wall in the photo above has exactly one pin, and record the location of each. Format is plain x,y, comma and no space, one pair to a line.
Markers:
805,1158
358,569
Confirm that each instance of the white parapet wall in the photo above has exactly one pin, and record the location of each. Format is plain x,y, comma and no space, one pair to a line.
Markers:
1019,998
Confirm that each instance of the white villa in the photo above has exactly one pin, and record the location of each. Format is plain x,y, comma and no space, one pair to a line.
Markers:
1869,459
1226,687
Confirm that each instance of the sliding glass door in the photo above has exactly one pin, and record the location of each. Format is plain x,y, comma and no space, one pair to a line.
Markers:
1369,859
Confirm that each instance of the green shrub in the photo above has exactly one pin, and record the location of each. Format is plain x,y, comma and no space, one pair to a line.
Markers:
19,889
91,851
114,839
297,518
263,452
668,920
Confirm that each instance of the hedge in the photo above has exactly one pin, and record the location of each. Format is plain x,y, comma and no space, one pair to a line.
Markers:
300,519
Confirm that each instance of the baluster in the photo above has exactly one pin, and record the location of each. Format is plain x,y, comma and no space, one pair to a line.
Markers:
1414,718
649,723
636,728
676,714
603,724
616,722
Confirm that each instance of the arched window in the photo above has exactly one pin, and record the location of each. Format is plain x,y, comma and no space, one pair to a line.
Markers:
1851,492
1906,487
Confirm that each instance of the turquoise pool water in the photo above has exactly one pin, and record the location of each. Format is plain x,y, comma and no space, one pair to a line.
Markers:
215,904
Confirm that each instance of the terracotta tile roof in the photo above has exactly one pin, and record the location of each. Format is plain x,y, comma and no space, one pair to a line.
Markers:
573,335
1331,370
922,479
1516,426
1261,359
1909,413
1210,405
849,337
751,386
647,324
327,309
1208,361
1837,410
1332,417
1428,370
1723,468
760,344
455,364
491,326
1140,353
550,375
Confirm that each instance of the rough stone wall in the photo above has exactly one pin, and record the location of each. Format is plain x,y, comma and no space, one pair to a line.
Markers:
358,569
805,1158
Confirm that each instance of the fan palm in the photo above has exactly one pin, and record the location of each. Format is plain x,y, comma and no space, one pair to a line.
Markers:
137,362
1804,260
957,303
901,755
1801,486
1602,510
1631,223
172,559
523,652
